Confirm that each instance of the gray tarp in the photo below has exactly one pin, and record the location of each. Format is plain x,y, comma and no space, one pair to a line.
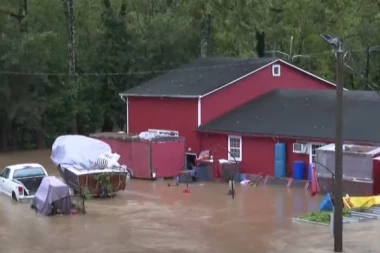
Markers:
52,193
355,165
77,151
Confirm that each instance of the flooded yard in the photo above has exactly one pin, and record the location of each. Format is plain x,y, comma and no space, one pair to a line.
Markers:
152,217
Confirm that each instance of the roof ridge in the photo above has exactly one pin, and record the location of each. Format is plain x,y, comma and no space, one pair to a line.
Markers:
209,74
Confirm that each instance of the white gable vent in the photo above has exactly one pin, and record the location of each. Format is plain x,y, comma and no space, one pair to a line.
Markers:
276,70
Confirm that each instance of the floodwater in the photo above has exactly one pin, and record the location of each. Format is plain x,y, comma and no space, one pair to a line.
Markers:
152,217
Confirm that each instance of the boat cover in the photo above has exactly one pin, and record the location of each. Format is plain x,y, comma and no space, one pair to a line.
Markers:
77,151
52,195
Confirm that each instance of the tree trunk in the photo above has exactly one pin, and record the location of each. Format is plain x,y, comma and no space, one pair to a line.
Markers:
74,123
68,8
260,46
107,124
71,42
4,128
21,14
205,35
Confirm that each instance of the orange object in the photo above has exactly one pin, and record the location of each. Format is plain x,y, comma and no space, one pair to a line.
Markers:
216,166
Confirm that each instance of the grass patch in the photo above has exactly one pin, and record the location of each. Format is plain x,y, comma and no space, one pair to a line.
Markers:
321,217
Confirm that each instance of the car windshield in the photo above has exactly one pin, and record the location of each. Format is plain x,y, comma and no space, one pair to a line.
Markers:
29,172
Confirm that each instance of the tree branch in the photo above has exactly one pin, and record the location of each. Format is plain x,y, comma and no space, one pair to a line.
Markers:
13,15
123,9
138,17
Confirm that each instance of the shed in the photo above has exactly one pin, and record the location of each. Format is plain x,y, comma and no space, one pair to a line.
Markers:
358,167
159,157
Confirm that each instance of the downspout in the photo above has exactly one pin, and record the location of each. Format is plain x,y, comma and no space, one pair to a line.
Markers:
199,119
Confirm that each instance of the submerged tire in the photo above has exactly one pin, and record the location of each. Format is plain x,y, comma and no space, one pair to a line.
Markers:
14,196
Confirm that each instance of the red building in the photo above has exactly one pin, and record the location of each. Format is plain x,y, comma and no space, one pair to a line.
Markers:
198,98
303,117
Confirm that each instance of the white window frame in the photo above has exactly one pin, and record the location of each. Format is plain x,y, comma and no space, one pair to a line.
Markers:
278,66
311,149
239,159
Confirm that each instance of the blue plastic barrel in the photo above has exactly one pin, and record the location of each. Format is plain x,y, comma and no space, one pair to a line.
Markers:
299,170
279,152
279,160
239,177
309,173
279,169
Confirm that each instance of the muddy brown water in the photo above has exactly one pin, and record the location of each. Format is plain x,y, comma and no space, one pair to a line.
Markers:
152,217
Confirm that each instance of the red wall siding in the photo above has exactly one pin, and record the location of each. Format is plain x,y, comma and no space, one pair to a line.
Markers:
165,113
141,160
216,143
167,158
257,156
124,149
258,152
135,155
253,86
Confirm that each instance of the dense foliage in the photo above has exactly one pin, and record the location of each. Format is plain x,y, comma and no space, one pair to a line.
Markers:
62,66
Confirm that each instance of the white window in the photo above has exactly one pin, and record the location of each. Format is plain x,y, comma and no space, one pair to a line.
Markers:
234,147
312,149
276,70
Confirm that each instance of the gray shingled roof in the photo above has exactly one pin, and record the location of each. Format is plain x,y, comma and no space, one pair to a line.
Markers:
304,113
198,78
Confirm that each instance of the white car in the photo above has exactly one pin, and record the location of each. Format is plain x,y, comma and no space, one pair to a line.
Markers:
21,181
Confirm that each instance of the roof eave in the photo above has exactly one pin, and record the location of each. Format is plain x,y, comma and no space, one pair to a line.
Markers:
157,96
276,136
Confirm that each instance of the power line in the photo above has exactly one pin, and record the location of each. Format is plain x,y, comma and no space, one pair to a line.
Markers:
369,84
353,70
148,71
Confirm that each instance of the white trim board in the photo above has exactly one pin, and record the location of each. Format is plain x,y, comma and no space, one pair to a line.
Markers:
236,80
239,159
199,119
127,112
311,149
271,63
157,96
308,73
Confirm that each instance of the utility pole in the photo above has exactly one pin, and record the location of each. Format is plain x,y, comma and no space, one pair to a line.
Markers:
338,209
338,184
